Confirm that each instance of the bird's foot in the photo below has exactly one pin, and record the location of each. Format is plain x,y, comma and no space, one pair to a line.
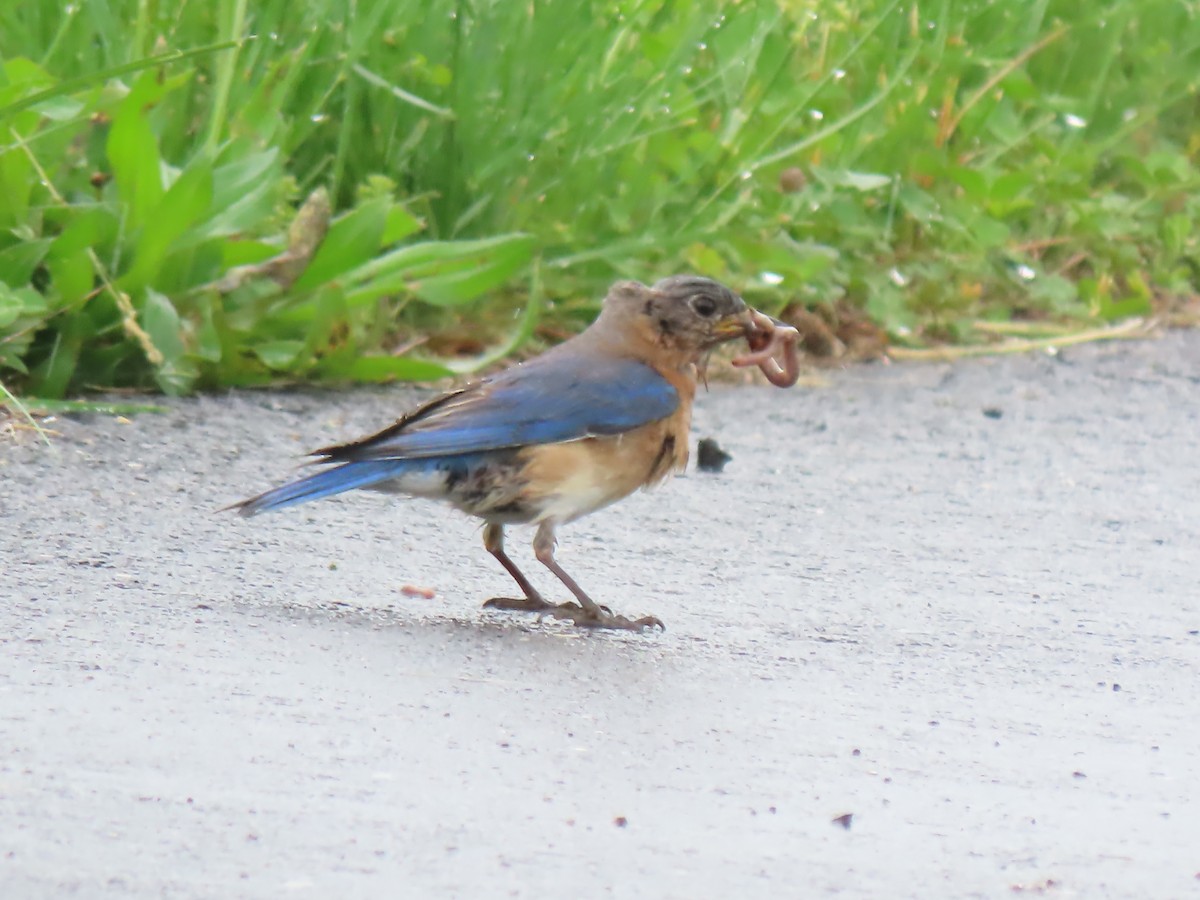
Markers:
519,604
533,604
602,617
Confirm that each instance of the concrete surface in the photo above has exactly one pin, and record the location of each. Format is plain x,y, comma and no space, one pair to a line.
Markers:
977,636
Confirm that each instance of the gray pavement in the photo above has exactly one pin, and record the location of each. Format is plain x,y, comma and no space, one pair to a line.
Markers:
978,636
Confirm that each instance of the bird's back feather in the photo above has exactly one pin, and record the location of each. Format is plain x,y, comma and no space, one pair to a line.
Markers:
553,398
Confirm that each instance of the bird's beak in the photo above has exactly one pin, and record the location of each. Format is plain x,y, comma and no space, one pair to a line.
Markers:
734,325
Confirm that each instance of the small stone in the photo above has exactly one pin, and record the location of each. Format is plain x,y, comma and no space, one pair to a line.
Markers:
620,821
844,820
710,457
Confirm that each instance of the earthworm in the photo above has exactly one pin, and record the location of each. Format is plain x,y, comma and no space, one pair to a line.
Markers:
773,348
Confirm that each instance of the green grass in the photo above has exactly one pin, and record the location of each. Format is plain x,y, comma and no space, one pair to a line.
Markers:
492,166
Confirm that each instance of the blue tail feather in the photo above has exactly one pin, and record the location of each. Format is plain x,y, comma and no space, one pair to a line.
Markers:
325,484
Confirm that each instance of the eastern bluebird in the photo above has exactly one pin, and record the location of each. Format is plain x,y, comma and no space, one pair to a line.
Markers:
555,438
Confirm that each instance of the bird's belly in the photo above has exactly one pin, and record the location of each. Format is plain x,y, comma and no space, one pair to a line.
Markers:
486,484
582,492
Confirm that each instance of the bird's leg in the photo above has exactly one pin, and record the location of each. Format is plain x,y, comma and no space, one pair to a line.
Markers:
587,613
493,541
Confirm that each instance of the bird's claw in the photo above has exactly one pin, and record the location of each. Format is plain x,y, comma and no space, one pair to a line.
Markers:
602,617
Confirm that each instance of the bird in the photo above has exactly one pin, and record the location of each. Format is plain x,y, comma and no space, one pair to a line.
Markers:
549,440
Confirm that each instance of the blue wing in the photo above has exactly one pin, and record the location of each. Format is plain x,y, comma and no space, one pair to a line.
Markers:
554,398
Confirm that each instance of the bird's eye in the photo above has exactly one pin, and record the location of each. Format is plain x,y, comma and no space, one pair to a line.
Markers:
704,306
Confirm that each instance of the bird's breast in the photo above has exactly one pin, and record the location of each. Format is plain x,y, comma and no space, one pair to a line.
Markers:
569,480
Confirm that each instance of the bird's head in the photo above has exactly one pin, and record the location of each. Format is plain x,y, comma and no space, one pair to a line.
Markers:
687,314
